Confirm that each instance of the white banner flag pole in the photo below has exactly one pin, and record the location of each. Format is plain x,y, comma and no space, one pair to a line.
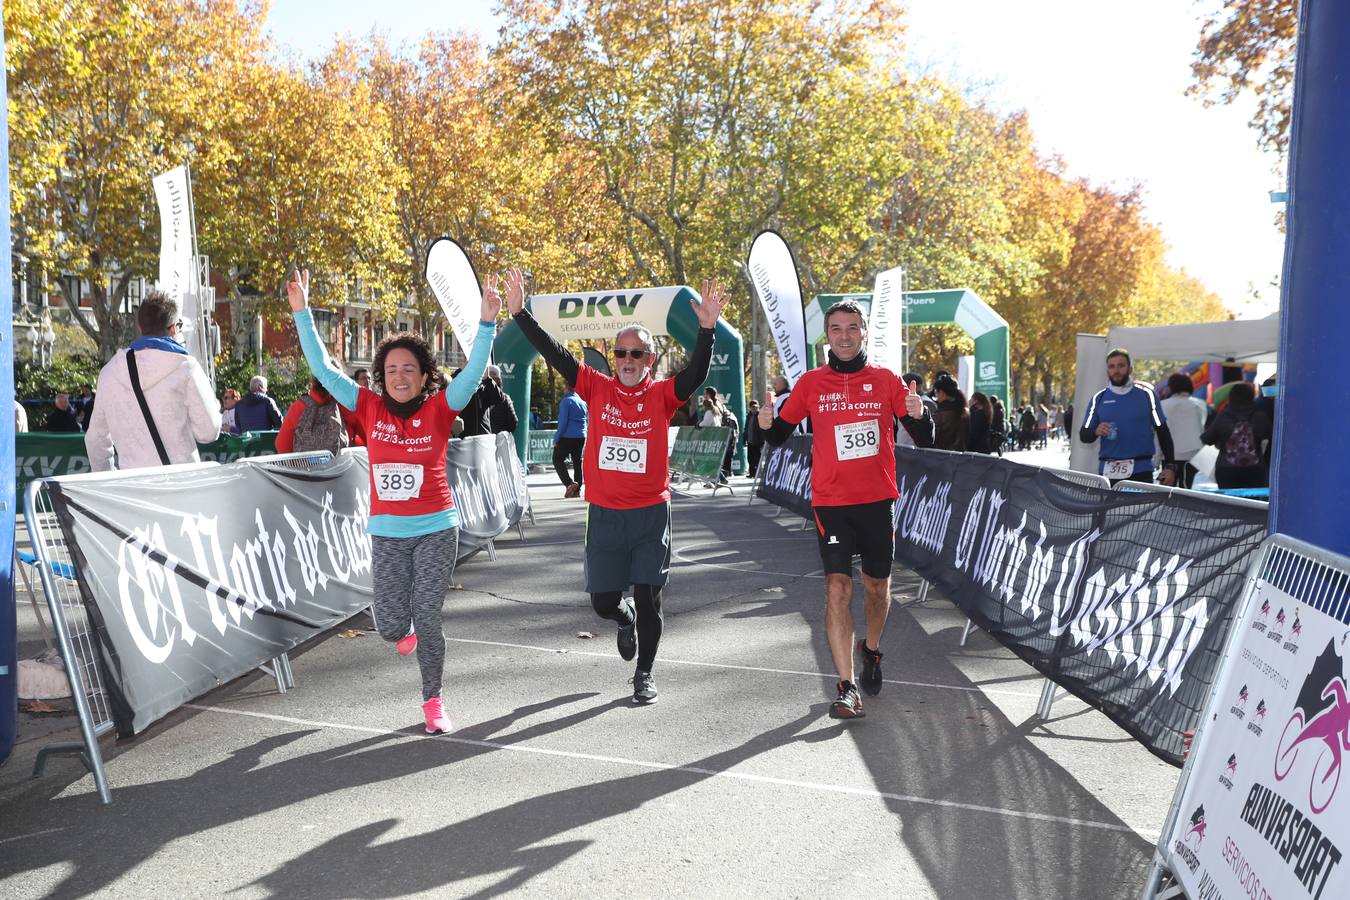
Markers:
455,284
180,277
885,336
773,280
177,264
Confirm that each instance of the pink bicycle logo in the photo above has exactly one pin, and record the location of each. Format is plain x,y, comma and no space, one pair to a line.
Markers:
1326,736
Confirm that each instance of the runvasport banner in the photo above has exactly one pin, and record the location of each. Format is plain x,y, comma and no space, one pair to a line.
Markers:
1124,599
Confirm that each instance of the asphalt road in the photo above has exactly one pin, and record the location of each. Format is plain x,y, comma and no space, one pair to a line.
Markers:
735,784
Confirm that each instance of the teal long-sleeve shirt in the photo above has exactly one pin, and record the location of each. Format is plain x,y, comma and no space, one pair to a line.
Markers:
345,391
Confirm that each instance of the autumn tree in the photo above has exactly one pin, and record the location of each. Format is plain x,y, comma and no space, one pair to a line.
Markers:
691,111
103,96
305,176
1248,46
476,170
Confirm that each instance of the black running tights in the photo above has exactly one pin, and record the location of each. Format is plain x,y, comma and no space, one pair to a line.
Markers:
647,599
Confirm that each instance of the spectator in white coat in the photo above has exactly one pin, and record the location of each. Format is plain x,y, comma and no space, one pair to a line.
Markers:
177,393
1186,415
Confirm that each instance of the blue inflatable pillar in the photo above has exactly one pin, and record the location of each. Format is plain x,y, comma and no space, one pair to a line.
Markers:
1312,432
9,675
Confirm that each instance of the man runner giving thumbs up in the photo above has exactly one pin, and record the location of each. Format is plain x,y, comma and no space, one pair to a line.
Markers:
853,406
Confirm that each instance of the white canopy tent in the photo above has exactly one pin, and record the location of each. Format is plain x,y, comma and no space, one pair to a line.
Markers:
1238,341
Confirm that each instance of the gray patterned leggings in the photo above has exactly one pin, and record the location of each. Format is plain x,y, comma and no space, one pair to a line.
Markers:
410,577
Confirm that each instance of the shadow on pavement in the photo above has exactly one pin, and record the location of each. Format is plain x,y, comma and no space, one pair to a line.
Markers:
958,748
510,841
104,843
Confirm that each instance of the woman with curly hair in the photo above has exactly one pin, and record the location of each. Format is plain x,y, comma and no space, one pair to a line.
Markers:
413,523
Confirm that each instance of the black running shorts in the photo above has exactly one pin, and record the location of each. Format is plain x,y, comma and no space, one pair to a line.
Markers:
864,528
626,546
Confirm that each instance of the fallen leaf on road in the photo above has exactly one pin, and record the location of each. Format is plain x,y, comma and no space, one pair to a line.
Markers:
586,635
351,633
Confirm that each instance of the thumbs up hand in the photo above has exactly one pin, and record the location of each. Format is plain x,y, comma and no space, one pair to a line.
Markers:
766,411
913,402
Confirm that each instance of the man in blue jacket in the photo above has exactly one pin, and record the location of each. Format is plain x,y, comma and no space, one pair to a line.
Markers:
570,440
1126,417
256,411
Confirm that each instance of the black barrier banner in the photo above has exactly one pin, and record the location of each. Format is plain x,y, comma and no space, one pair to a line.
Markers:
489,488
192,578
787,475
1124,599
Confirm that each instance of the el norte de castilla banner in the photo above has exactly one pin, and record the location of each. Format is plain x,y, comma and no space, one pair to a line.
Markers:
1124,599
196,575
774,281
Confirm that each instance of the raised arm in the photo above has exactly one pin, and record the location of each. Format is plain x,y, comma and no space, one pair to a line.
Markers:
343,389
463,385
708,312
554,353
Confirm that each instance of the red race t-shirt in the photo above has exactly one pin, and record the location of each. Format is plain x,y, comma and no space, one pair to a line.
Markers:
627,458
407,456
853,420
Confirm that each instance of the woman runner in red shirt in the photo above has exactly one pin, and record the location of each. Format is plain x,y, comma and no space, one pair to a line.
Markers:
413,524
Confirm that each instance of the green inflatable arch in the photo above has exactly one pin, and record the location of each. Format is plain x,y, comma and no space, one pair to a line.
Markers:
600,315
956,307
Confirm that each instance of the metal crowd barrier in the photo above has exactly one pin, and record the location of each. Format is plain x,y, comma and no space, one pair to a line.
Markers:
714,482
305,461
75,635
1049,694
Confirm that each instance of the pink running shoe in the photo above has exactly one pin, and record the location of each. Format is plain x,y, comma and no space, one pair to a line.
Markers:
437,720
407,644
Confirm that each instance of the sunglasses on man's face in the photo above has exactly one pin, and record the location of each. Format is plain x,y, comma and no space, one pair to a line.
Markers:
637,355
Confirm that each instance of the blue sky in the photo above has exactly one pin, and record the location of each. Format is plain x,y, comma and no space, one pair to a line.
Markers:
1104,83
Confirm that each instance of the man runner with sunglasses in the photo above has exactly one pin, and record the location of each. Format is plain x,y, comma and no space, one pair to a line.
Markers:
853,406
626,469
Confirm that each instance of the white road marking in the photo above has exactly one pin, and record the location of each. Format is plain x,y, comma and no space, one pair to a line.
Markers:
678,553
31,834
693,770
711,665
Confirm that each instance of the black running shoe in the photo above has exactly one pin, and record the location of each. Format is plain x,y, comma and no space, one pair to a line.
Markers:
848,705
628,633
644,687
870,679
